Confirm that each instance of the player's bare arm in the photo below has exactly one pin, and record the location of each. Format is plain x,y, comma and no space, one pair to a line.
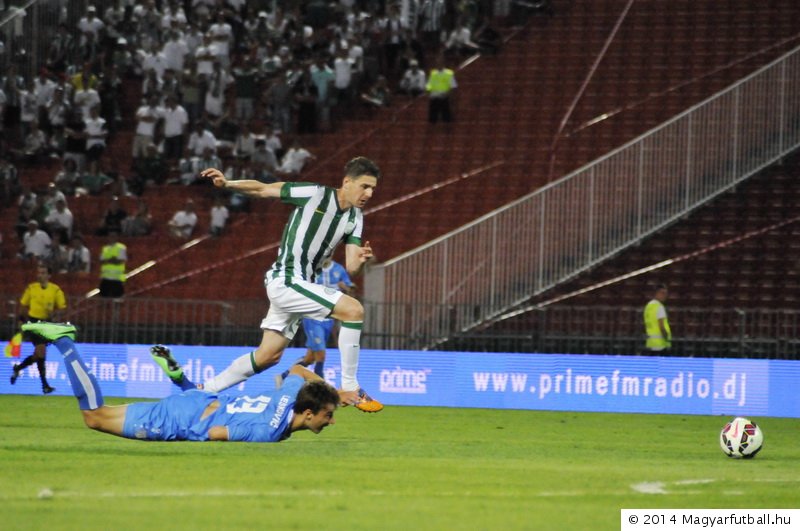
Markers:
356,256
346,398
248,186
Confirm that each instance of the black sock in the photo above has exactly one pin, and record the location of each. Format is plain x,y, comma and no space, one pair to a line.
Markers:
27,362
42,372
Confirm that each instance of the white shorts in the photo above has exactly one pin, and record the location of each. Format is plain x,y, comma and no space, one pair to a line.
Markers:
288,304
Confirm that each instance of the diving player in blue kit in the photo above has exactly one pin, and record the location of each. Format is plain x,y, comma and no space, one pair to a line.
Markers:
305,402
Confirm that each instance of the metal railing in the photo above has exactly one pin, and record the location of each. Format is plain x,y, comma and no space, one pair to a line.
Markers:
699,332
150,320
706,332
518,251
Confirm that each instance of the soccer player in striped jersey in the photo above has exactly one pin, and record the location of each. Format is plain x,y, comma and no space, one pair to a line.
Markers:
323,217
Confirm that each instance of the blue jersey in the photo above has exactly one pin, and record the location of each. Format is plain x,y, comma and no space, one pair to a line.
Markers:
332,275
264,418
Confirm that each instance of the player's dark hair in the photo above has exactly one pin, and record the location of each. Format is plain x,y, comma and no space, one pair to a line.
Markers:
314,396
361,166
659,287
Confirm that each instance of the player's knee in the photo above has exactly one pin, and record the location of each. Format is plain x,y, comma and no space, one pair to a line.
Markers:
351,310
266,357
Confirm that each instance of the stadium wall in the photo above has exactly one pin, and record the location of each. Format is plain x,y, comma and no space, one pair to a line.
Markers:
561,382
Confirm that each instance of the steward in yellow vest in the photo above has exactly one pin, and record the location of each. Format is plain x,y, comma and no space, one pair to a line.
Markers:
112,267
656,324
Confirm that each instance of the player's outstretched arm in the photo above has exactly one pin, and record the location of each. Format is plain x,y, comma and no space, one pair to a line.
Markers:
345,397
248,186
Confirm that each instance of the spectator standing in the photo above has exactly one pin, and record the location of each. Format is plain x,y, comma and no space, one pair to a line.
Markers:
96,133
113,258
176,119
219,217
201,139
147,116
280,97
246,84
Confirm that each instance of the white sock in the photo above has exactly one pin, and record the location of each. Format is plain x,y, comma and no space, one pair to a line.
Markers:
349,339
238,371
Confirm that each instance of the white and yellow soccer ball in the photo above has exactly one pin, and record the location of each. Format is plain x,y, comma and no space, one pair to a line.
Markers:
741,438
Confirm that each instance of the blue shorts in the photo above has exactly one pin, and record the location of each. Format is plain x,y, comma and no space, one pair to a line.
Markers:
170,419
317,333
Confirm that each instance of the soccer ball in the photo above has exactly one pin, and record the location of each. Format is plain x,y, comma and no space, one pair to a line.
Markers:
741,438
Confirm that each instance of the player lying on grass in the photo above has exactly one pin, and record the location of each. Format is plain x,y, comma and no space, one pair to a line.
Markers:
304,402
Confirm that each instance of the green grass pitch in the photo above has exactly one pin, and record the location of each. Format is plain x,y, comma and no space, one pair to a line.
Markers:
404,468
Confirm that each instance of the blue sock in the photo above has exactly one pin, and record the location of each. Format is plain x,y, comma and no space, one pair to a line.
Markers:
185,383
84,384
318,369
285,374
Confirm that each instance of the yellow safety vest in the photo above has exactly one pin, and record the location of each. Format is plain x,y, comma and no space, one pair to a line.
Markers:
111,271
655,340
440,80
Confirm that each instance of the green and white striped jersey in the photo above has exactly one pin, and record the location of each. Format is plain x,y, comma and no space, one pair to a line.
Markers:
315,227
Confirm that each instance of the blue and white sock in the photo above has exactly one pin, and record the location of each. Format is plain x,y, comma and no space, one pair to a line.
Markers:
84,384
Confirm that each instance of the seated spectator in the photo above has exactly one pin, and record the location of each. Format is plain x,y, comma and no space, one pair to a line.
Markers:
272,136
200,139
79,259
414,80
191,168
219,217
68,178
35,146
59,221
53,195
379,94
264,156
93,182
112,219
59,254
245,144
295,159
26,204
35,243
183,222
460,41
140,223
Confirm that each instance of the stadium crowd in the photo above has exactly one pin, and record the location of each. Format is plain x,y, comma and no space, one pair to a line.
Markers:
223,83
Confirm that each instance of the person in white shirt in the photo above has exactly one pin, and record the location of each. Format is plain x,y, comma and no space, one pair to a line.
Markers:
146,118
204,56
201,139
96,134
35,243
295,159
90,24
175,51
175,121
85,98
222,35
414,80
343,75
245,144
219,217
183,222
60,220
460,41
